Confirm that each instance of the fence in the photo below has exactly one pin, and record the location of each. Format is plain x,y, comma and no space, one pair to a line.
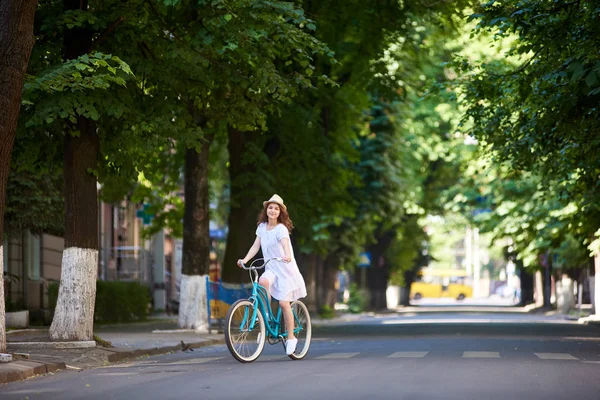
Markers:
220,298
127,263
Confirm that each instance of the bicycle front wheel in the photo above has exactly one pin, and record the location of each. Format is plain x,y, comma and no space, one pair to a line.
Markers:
245,343
302,330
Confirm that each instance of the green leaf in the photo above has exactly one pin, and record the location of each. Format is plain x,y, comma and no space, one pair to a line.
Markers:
591,79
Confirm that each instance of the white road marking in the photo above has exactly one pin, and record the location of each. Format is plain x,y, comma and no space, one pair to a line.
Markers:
555,356
408,354
481,354
336,356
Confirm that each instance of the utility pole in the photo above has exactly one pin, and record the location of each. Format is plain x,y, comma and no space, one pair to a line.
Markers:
476,264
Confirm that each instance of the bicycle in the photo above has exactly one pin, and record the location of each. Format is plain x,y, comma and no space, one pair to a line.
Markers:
246,331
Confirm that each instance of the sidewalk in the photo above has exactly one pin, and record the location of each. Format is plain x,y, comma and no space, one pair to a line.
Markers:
33,355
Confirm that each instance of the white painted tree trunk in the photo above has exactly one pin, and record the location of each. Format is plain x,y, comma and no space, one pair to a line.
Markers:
74,315
2,310
193,308
565,298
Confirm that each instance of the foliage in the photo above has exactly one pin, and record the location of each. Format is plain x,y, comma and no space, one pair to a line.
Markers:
115,301
35,199
52,292
231,64
353,139
357,299
121,302
536,108
326,312
10,305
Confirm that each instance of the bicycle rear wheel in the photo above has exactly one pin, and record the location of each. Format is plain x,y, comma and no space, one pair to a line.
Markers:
302,330
245,344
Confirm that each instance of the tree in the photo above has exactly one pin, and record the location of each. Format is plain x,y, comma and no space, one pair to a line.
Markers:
222,66
316,135
16,42
537,107
62,101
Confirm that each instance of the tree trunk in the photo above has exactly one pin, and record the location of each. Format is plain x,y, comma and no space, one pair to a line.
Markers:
526,284
378,272
547,283
377,278
16,42
74,313
193,311
311,263
409,278
245,207
328,292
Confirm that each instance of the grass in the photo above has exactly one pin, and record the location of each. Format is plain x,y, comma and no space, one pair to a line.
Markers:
101,342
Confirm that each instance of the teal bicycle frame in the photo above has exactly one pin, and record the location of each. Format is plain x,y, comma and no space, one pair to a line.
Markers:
273,324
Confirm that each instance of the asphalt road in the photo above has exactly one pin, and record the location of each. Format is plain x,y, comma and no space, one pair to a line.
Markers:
436,356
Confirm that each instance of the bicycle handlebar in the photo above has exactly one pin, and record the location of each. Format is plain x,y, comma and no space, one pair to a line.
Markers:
253,267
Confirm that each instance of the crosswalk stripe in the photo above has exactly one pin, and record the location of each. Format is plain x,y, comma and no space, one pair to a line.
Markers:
555,356
481,354
408,354
336,355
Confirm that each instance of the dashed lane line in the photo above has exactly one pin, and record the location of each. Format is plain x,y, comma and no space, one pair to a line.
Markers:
336,356
555,356
408,354
481,354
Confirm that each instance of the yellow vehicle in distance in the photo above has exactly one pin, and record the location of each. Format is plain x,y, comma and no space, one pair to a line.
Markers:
437,283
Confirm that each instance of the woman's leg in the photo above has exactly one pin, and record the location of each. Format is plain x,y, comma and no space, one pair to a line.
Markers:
288,317
264,282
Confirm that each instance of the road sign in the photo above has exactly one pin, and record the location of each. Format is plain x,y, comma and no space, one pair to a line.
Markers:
364,260
144,215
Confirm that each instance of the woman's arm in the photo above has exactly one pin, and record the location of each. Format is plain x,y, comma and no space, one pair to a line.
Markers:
252,252
286,249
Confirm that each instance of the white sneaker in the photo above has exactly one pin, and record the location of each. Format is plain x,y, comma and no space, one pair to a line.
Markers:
290,346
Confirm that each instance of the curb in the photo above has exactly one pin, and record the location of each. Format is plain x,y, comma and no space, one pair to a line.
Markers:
591,320
28,369
131,354
20,370
51,345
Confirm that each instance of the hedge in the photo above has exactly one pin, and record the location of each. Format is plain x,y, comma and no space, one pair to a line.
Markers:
115,301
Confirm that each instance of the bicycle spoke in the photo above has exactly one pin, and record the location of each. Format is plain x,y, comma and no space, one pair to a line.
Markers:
245,343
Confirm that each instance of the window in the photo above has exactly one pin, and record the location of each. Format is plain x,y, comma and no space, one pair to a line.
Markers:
33,256
5,254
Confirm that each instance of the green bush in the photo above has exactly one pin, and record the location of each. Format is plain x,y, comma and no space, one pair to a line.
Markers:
326,312
115,301
52,294
10,306
357,300
121,301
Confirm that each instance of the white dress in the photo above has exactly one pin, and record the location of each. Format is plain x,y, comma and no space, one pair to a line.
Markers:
285,281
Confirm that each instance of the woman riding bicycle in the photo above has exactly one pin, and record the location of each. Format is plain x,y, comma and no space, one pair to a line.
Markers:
282,280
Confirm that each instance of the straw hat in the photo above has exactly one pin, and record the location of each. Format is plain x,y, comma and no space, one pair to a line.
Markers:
275,199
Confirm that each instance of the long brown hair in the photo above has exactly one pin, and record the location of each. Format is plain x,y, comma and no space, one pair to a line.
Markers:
284,217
